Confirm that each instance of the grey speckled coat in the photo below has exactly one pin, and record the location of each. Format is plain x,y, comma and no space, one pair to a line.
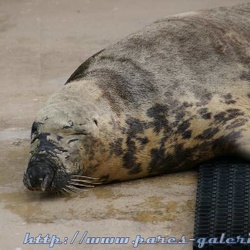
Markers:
166,98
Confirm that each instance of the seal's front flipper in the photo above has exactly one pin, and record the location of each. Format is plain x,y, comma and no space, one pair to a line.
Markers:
222,218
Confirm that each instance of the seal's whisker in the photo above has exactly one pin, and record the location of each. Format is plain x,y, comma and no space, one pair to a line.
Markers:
62,191
65,190
82,181
81,184
70,190
85,181
85,177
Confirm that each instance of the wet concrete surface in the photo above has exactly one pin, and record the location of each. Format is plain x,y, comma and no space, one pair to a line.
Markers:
41,44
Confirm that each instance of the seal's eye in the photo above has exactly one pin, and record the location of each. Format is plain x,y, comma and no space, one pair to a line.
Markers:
69,125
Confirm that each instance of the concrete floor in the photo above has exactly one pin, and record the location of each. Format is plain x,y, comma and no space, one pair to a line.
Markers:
41,43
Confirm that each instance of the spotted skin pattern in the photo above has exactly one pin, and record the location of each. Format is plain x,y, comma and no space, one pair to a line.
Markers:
166,98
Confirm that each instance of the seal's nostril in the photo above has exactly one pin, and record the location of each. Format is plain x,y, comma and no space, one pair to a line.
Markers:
26,181
46,182
38,177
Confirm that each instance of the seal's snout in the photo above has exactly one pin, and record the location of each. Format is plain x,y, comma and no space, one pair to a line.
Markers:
38,177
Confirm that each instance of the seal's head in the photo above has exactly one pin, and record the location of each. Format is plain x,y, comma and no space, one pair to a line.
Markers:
60,142
56,157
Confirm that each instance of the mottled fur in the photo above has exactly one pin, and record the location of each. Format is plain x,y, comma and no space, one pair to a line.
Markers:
164,99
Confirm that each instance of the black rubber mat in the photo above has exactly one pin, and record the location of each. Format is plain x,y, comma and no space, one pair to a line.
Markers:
222,219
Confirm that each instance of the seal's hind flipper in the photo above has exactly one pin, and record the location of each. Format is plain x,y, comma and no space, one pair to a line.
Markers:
222,205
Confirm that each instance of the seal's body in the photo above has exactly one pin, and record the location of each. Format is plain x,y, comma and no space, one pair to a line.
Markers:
164,99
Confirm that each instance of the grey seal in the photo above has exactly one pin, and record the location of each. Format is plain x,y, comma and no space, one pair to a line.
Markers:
164,99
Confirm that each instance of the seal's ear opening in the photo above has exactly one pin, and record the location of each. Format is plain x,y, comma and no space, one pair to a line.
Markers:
38,177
